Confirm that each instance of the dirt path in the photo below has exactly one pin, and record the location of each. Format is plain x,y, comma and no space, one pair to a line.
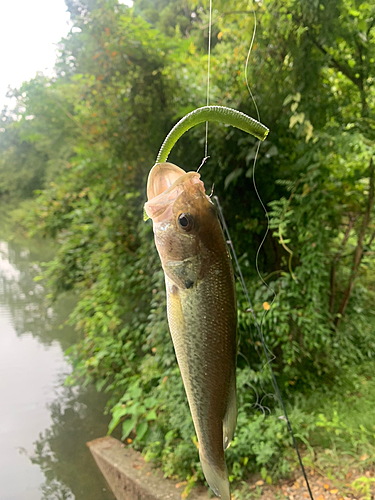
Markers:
353,486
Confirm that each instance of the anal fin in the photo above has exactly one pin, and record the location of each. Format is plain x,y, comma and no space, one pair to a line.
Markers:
230,418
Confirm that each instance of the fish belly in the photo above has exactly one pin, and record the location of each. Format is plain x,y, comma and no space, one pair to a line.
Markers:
202,322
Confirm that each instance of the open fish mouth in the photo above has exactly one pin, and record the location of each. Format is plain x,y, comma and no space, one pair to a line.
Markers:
165,184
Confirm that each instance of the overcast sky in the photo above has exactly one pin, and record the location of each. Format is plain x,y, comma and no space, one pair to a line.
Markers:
29,32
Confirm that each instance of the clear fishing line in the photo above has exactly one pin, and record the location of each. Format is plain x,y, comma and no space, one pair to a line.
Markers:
256,157
208,76
247,65
257,148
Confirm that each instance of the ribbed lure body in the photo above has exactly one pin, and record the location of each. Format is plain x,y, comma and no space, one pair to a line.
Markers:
219,114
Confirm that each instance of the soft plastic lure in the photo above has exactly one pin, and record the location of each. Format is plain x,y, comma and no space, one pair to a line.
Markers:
220,114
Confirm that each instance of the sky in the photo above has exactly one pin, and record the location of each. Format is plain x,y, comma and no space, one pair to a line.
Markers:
30,30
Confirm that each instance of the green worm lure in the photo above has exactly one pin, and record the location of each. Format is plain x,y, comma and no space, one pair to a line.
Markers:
220,114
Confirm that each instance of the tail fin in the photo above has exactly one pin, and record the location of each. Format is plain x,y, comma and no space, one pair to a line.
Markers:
217,479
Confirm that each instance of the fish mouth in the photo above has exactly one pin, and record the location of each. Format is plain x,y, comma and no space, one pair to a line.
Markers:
165,183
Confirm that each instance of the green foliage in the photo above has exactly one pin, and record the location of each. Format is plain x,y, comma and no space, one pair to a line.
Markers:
364,485
86,140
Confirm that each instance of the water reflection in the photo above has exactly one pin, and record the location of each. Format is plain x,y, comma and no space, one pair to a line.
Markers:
25,299
43,425
61,451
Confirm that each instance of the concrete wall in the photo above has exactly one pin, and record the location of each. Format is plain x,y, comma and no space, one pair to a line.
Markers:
131,478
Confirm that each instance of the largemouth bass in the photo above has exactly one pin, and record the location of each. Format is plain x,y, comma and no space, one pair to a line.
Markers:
201,306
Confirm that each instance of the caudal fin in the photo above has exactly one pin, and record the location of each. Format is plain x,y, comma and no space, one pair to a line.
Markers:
217,479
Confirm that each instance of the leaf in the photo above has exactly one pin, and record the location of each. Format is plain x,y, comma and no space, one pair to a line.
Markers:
128,426
151,416
192,48
141,429
178,485
250,156
232,177
294,107
306,190
145,216
273,151
263,472
100,384
117,414
298,118
308,129
288,99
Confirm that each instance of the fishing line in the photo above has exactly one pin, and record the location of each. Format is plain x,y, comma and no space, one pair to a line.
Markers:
265,349
258,402
247,64
256,157
257,148
208,75
202,162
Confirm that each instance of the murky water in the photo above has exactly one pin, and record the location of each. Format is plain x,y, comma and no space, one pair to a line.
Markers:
44,426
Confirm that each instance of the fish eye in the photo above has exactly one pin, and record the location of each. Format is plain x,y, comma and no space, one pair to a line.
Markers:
185,221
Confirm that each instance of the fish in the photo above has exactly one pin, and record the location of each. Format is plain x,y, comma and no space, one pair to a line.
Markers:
201,309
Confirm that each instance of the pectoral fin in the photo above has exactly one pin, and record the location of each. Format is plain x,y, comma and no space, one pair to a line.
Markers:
184,273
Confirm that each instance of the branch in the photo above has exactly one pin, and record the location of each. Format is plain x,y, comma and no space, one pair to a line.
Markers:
336,259
371,240
345,70
358,254
336,64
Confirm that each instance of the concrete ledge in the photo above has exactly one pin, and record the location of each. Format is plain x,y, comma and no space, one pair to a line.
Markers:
131,478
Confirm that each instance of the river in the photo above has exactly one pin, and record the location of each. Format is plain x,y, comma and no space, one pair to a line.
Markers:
44,425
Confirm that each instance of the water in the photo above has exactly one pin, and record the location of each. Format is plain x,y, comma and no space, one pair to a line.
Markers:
44,426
